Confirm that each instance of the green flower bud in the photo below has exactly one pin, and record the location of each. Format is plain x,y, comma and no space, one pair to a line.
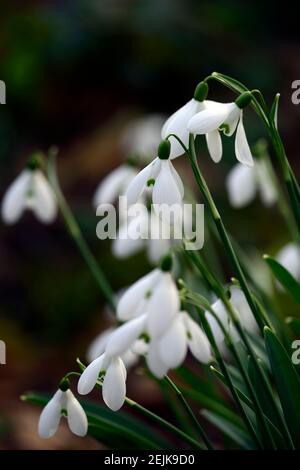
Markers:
201,91
244,99
34,161
166,263
64,384
164,149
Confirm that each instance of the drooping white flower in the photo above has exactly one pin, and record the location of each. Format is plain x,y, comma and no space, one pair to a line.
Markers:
289,257
169,351
31,191
227,117
142,136
243,182
114,184
243,312
114,382
62,402
177,124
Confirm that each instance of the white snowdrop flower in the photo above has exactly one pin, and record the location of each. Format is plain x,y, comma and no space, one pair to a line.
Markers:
289,257
169,351
63,403
114,382
227,117
243,182
160,173
31,191
142,136
243,312
177,124
114,184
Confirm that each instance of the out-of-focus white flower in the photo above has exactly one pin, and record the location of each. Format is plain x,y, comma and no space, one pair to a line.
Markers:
114,382
169,351
227,117
142,136
114,184
243,182
243,312
289,257
62,402
31,191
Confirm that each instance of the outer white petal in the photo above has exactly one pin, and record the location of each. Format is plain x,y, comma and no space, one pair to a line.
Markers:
124,336
178,180
242,149
167,189
214,144
14,200
90,375
51,414
177,124
232,119
139,182
265,183
197,340
128,306
163,306
172,346
124,245
289,257
114,386
130,358
43,200
220,310
76,416
240,304
241,185
209,119
114,184
154,361
98,345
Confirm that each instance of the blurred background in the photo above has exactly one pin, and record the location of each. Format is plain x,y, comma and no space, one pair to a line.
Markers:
77,72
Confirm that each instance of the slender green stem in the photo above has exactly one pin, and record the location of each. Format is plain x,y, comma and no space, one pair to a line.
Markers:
190,412
78,237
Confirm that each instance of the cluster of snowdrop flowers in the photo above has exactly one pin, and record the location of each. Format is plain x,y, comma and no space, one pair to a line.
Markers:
29,191
155,327
63,404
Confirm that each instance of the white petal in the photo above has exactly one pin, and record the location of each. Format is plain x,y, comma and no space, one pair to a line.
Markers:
124,336
98,345
242,149
289,257
163,306
139,182
177,124
197,340
114,386
129,304
240,304
43,200
130,358
154,361
167,189
241,185
220,310
209,119
214,144
140,347
76,416
90,375
265,183
172,346
123,246
50,416
113,185
14,200
232,119
178,180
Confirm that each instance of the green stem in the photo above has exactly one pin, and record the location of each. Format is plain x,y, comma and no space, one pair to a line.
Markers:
77,235
190,412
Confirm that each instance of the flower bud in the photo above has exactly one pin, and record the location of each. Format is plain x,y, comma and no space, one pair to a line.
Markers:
201,91
243,100
64,384
164,149
166,263
34,161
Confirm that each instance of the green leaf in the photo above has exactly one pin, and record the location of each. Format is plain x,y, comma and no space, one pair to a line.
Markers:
287,383
116,430
274,109
285,278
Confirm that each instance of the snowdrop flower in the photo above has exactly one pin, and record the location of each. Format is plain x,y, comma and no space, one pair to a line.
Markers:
228,117
142,136
243,182
243,312
177,124
31,191
169,351
114,184
156,295
289,257
63,402
167,185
